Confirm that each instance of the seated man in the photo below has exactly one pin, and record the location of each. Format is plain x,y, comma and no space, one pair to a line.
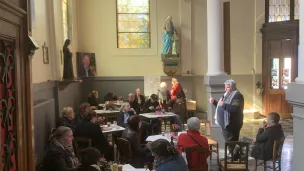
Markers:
83,111
133,103
262,146
194,138
125,112
151,104
67,119
89,129
140,153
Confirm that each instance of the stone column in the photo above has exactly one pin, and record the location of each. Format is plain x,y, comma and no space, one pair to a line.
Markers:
215,37
301,47
294,95
215,77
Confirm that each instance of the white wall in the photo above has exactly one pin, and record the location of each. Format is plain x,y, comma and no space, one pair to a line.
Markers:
48,29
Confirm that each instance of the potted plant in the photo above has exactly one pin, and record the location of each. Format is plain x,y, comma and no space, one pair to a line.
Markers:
174,130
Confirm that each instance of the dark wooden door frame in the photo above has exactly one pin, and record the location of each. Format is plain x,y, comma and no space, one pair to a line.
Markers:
276,31
15,13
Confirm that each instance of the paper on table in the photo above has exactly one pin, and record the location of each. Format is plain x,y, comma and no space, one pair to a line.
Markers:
156,137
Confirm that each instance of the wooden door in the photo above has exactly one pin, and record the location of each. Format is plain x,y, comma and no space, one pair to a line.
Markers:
281,69
16,130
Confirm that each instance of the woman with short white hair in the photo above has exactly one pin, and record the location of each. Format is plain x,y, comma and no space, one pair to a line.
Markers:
68,118
191,139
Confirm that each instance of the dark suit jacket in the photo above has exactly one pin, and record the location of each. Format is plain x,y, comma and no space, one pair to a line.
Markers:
92,100
264,142
142,99
135,106
236,112
121,119
91,130
82,72
64,121
148,104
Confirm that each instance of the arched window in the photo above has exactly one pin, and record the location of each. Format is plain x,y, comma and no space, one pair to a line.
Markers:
133,24
65,19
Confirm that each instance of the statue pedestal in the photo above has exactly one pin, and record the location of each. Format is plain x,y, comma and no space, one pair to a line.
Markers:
171,64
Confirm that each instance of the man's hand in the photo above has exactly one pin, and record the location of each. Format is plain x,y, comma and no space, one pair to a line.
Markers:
211,99
254,141
220,103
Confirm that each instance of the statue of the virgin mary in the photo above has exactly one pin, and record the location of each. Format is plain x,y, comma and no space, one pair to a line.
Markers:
169,32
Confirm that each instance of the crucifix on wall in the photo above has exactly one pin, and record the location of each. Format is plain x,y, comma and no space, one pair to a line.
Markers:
45,51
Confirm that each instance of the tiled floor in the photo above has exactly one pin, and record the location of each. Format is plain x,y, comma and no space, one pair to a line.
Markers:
250,129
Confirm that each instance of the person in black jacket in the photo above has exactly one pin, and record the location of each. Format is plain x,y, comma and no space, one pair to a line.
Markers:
262,146
139,98
141,153
67,119
133,103
125,112
229,112
91,160
83,111
92,99
60,154
151,104
89,129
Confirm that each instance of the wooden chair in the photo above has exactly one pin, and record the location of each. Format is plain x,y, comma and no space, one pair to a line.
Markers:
201,153
229,163
213,145
276,157
124,149
79,142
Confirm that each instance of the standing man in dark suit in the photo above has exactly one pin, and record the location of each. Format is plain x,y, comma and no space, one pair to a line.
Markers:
84,69
139,98
229,112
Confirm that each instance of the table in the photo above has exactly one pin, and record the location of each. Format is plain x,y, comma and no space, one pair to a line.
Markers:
128,167
108,114
113,130
165,116
154,116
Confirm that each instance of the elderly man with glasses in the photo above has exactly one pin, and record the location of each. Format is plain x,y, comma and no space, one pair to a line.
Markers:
229,112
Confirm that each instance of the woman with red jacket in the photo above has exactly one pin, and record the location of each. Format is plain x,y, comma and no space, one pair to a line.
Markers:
177,90
194,138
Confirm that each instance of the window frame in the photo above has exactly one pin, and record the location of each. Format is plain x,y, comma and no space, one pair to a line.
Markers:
149,27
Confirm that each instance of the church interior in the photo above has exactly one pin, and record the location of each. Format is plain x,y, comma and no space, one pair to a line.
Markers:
212,62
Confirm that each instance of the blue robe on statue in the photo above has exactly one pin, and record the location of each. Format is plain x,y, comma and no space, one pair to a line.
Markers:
167,49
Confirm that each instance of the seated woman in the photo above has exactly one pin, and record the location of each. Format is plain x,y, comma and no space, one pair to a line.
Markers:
92,99
125,112
60,154
167,157
83,111
194,138
141,154
91,160
89,129
67,119
151,104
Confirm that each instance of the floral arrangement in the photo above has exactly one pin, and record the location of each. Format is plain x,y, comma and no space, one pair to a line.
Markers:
159,109
120,98
175,128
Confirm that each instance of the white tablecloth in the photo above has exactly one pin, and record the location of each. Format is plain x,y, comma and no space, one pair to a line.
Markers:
119,128
128,167
106,111
152,115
